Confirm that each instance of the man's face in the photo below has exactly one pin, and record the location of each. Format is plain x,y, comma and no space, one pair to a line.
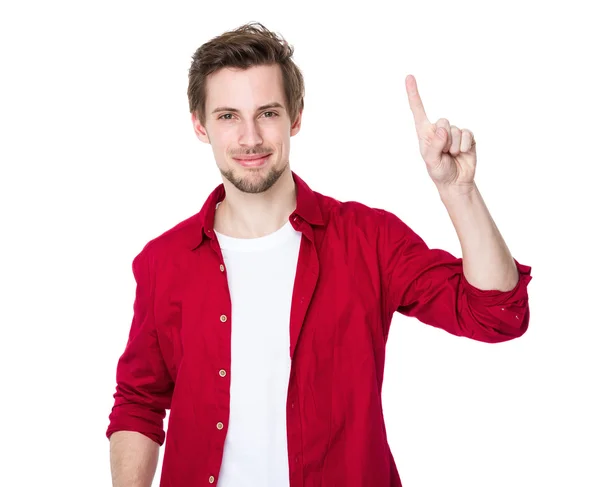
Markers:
241,120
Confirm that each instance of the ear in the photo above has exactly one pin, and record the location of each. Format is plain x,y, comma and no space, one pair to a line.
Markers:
200,130
296,126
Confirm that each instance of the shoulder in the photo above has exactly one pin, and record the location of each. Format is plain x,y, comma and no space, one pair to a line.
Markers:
356,213
372,226
172,242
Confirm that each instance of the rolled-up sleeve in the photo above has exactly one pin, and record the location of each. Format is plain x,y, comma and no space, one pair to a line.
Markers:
144,386
429,285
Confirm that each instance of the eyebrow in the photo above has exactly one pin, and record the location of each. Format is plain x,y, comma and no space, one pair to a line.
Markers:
263,107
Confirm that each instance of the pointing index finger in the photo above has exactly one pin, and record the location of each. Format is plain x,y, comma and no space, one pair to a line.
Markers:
414,100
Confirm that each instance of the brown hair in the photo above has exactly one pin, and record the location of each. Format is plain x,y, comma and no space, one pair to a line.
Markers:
250,45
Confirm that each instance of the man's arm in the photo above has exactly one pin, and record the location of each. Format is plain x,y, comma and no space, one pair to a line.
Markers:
143,393
487,262
450,156
482,296
430,284
133,459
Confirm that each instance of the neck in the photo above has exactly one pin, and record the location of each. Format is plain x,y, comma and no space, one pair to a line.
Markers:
246,215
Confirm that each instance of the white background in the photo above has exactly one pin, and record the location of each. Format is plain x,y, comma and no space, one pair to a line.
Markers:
98,156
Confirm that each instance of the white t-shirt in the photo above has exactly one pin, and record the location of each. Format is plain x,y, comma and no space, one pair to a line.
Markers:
260,273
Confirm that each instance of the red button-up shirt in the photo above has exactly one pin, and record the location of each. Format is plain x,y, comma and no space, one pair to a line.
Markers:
357,266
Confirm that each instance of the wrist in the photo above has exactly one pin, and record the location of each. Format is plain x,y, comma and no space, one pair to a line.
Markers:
456,192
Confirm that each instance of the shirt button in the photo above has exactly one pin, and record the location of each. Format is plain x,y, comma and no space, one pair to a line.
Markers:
222,267
223,318
219,425
211,479
222,373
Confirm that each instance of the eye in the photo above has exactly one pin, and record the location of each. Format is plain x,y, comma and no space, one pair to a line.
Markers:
273,115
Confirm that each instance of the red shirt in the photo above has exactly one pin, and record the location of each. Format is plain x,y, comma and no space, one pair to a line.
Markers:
357,266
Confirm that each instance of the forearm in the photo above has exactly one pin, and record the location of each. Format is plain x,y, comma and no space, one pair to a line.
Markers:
133,459
487,261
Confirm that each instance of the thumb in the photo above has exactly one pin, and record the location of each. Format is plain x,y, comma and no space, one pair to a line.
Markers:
435,145
440,139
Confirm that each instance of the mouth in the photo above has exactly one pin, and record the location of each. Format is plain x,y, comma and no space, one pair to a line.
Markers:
253,161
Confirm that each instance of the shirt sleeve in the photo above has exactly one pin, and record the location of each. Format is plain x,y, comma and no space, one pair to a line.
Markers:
429,284
144,386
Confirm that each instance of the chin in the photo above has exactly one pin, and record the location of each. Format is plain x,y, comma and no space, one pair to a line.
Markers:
254,180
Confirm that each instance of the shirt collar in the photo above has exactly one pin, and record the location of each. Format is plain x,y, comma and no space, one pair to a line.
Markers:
307,208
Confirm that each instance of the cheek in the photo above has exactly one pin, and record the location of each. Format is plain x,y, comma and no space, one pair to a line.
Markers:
222,145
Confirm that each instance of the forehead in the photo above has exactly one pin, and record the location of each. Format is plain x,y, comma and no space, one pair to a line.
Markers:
244,88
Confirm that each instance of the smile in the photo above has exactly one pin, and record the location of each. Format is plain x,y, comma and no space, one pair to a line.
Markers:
252,162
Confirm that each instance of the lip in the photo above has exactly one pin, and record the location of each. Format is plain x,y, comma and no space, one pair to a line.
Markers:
252,161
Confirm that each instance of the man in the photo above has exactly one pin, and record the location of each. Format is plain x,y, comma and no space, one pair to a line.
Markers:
261,321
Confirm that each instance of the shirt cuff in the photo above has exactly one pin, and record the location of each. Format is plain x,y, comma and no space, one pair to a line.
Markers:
493,297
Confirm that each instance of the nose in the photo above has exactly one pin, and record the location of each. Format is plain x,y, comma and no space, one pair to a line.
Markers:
250,135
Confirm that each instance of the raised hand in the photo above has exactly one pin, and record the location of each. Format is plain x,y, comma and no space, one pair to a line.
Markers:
448,151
